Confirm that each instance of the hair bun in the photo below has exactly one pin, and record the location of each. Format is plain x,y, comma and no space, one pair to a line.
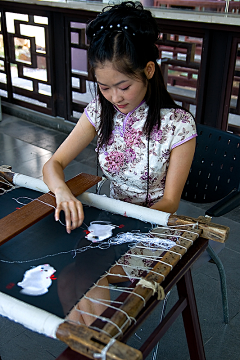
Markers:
129,17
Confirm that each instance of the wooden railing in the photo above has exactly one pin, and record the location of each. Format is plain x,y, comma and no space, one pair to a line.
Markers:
211,5
199,59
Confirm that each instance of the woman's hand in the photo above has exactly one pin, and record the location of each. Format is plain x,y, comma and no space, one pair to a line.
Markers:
53,175
71,207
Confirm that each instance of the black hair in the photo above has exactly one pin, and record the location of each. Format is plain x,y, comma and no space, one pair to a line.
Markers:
125,34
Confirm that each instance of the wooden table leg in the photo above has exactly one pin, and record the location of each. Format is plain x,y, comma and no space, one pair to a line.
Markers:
190,318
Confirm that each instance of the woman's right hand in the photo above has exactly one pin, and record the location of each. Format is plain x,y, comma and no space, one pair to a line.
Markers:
71,207
53,172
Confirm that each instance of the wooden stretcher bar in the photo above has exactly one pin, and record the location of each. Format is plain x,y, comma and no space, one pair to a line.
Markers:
210,231
90,343
185,305
73,334
18,221
132,305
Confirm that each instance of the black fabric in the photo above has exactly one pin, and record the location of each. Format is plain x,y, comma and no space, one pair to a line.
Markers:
75,274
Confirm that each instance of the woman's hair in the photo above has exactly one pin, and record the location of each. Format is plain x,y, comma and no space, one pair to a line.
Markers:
125,35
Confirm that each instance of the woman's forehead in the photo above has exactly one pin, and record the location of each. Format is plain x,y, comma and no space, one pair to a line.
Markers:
106,72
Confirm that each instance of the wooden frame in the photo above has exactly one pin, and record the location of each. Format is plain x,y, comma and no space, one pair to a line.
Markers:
89,342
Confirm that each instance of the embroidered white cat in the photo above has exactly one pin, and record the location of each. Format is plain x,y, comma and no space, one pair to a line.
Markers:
99,231
37,280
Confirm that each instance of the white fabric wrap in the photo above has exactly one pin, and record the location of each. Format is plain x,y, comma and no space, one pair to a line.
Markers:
124,208
30,183
29,316
102,202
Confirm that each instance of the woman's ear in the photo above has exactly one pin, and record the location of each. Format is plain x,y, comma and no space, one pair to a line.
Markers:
149,69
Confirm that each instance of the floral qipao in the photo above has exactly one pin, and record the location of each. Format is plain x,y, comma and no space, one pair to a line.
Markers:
124,160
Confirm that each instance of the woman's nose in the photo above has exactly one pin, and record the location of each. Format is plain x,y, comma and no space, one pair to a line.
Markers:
116,97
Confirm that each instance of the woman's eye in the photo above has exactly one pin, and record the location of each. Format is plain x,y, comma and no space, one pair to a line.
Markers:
103,89
126,88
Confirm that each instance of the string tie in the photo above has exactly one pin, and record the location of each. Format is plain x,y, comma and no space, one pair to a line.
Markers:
5,168
156,288
103,354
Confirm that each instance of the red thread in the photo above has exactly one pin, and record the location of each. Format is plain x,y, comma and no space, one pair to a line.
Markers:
121,226
10,286
52,277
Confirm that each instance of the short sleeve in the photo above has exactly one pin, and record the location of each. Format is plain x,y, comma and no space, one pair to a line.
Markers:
93,111
184,127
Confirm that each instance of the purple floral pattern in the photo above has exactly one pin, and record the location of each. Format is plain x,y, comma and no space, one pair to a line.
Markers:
124,162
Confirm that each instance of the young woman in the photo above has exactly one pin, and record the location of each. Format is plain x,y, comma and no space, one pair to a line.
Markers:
146,142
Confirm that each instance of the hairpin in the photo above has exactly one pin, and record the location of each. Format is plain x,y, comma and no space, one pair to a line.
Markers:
118,26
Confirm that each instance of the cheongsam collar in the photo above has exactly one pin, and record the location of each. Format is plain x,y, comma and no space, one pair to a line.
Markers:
127,116
131,112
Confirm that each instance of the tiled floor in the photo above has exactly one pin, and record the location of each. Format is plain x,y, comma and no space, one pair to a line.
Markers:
26,146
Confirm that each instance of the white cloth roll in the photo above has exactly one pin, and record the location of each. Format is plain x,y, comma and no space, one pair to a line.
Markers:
124,208
102,202
30,183
29,316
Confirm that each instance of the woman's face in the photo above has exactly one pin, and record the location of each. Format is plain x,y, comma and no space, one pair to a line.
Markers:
124,92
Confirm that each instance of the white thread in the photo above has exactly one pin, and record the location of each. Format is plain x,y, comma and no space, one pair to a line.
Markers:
176,228
144,256
171,251
148,257
103,318
101,301
104,351
166,264
123,276
144,269
174,252
3,168
182,237
43,202
121,289
103,245
153,248
181,246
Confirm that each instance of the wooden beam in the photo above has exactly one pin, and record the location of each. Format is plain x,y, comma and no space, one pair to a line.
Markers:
210,231
21,219
89,342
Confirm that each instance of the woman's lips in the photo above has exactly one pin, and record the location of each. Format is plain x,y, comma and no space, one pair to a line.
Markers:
122,106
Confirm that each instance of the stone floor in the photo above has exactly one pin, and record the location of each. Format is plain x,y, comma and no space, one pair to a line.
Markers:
26,147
